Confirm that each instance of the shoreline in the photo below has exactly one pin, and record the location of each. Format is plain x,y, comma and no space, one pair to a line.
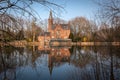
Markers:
24,43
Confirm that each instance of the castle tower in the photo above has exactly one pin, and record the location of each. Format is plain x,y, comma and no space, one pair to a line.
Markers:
50,21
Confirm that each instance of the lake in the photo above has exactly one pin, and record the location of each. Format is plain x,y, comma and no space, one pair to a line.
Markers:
60,63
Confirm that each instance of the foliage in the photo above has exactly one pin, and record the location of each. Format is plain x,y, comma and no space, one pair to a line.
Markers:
84,39
71,36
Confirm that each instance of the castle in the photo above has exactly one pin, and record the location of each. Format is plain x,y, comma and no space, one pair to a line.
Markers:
59,32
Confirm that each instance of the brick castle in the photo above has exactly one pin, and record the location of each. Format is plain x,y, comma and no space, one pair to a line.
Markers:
55,31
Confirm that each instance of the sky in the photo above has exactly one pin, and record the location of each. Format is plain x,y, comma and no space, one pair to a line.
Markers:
72,9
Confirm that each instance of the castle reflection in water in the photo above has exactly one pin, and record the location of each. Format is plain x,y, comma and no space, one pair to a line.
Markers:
60,63
57,55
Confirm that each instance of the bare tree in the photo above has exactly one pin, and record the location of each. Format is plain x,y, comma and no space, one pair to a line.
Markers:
32,30
24,6
81,27
104,33
109,10
109,15
35,30
11,9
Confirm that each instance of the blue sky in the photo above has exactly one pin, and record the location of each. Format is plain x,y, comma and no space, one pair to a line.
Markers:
73,8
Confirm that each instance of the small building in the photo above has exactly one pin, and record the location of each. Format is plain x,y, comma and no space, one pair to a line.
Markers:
55,32
44,38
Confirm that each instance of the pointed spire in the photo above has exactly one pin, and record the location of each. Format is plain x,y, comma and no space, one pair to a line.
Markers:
50,69
50,21
50,64
50,16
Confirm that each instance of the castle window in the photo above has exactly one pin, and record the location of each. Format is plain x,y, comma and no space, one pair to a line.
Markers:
53,37
58,33
65,37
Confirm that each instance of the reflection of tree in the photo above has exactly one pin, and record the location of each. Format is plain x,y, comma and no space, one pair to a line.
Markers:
104,66
81,58
111,65
10,59
101,64
5,65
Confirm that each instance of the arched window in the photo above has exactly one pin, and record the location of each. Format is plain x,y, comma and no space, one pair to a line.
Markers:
58,33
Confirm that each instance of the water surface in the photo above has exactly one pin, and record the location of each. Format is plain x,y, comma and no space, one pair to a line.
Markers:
60,63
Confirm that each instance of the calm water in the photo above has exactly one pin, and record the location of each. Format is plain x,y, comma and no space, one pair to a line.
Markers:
60,63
